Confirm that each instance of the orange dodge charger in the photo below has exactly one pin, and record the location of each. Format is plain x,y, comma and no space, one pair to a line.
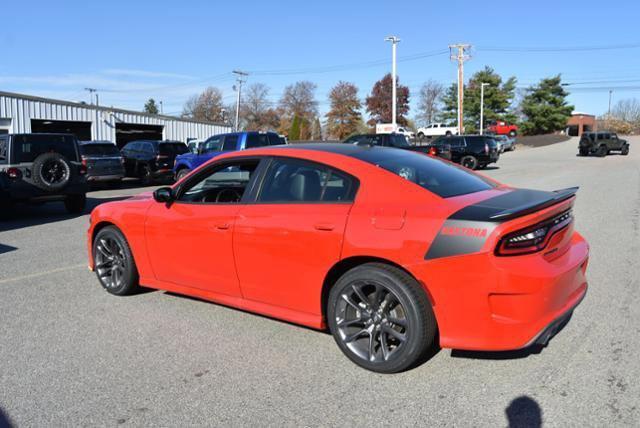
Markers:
391,250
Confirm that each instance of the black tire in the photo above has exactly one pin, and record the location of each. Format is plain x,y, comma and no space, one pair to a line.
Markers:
512,133
469,162
448,133
51,172
602,151
401,321
181,173
75,204
420,136
584,152
113,262
625,150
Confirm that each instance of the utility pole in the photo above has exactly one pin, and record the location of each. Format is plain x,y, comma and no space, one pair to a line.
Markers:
161,108
240,79
482,85
394,87
91,92
460,57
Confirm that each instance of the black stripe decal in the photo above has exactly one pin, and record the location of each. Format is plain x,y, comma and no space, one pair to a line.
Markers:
458,237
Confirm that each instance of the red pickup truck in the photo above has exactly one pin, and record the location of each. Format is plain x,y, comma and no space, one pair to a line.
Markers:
501,127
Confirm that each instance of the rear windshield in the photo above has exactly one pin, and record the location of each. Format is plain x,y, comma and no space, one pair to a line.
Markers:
443,179
172,148
28,147
99,150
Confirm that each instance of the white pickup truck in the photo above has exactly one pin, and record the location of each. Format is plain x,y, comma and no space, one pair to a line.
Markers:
436,130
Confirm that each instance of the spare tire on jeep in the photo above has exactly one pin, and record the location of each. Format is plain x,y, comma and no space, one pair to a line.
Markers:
51,172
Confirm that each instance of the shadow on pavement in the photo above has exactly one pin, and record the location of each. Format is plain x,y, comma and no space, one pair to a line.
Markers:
524,412
25,215
6,248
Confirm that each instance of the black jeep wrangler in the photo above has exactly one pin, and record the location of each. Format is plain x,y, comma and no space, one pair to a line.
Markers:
601,144
36,168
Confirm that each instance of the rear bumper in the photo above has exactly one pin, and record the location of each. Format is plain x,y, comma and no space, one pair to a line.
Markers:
28,192
488,303
545,335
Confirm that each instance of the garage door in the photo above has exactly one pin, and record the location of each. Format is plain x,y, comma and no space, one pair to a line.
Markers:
82,130
126,132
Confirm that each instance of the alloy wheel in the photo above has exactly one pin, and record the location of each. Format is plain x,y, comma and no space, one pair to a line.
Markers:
110,262
371,321
54,171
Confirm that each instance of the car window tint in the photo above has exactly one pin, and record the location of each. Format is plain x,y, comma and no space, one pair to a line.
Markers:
172,148
398,140
29,147
222,184
256,140
275,140
99,150
372,140
443,179
212,145
230,143
3,150
291,180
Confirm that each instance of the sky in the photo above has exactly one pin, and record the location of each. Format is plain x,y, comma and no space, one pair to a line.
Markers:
131,51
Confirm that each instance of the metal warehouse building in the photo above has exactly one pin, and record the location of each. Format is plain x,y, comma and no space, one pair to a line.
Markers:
25,114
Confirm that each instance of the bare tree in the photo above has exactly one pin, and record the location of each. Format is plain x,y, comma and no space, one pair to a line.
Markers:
299,99
627,110
429,101
206,107
256,111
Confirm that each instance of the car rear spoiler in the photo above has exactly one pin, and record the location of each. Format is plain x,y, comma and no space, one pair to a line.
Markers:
555,197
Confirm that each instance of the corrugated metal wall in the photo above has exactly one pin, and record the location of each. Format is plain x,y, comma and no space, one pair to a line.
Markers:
20,110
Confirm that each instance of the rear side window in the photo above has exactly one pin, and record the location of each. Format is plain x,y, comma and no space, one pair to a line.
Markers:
478,141
230,143
443,179
172,148
99,150
256,140
28,147
295,181
275,140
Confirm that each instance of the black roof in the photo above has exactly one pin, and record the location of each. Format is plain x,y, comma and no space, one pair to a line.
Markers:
368,153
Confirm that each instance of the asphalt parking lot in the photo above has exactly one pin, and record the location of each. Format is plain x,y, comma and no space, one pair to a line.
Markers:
71,354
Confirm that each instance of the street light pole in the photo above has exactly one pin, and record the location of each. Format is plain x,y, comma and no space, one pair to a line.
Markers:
394,97
482,85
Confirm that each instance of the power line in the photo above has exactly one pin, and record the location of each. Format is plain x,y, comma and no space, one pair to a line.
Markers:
558,48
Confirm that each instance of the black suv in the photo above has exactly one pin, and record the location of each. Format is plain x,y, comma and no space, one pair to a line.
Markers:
471,151
601,144
151,160
41,168
398,141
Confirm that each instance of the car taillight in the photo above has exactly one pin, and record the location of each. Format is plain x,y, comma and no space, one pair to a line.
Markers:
533,238
433,151
83,169
14,173
84,161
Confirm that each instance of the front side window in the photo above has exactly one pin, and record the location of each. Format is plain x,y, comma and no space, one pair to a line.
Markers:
295,181
213,144
230,143
223,184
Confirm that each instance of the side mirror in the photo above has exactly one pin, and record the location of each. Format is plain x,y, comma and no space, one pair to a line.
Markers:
163,195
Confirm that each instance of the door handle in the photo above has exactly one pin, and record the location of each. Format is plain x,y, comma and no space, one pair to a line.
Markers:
222,226
324,226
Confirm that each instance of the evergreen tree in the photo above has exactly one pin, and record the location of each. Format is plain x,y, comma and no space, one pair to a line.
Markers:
294,131
545,107
151,107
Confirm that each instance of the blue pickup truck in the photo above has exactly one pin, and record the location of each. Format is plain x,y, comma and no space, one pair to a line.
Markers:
219,144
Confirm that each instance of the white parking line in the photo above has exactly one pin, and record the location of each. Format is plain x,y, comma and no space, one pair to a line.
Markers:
35,275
